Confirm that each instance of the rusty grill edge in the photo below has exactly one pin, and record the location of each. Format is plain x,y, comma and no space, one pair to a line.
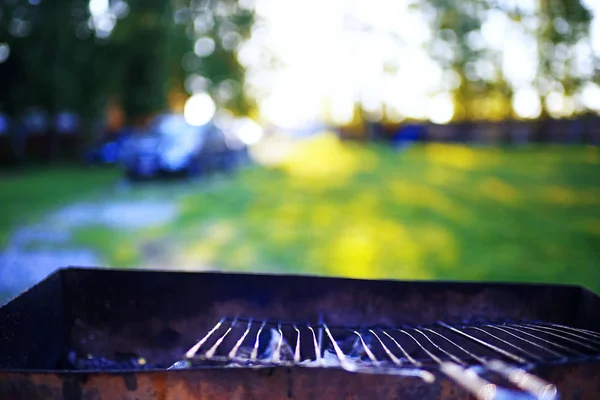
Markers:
404,335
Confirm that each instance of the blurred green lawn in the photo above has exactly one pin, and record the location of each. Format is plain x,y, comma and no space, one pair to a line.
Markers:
27,194
432,212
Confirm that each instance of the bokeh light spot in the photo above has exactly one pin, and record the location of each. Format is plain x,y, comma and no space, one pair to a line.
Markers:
199,109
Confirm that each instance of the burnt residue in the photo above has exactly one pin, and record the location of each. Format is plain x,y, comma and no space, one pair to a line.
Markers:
419,390
72,389
119,362
266,372
290,383
21,387
130,382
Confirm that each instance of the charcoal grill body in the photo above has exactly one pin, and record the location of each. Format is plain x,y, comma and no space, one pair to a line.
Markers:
159,315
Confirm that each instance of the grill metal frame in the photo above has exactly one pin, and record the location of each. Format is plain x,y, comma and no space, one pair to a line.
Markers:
522,342
158,315
484,347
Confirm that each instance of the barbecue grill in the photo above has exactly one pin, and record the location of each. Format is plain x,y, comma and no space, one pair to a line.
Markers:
105,334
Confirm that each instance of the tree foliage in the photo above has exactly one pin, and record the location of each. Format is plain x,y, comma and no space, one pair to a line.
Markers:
560,28
60,60
64,57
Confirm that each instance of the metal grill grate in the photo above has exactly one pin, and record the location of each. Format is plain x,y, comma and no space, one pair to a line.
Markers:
459,350
249,342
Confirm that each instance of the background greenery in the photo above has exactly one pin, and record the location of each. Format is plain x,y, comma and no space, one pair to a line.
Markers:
61,60
433,212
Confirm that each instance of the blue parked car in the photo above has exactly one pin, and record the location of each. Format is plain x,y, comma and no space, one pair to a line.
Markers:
108,151
172,146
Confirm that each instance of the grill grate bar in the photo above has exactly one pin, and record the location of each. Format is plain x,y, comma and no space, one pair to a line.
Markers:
497,349
585,331
452,349
270,342
192,352
478,386
430,354
254,354
277,354
560,346
233,351
453,357
391,355
514,346
570,334
470,354
316,345
297,349
338,351
563,338
539,346
213,349
464,377
367,349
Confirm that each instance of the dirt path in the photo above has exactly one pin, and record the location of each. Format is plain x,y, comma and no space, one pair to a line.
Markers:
36,250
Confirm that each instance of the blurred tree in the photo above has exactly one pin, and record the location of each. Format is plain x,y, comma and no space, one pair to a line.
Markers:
452,24
140,47
77,55
560,29
226,23
562,36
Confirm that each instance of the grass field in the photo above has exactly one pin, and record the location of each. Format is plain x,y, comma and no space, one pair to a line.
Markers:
28,194
432,212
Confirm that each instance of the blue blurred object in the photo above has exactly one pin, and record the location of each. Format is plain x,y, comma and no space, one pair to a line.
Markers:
66,123
36,122
172,146
109,153
109,150
7,153
409,134
4,124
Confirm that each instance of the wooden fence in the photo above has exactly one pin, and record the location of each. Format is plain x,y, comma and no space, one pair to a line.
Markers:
583,130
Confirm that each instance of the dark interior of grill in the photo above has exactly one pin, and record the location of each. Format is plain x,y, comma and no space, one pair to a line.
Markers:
106,319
